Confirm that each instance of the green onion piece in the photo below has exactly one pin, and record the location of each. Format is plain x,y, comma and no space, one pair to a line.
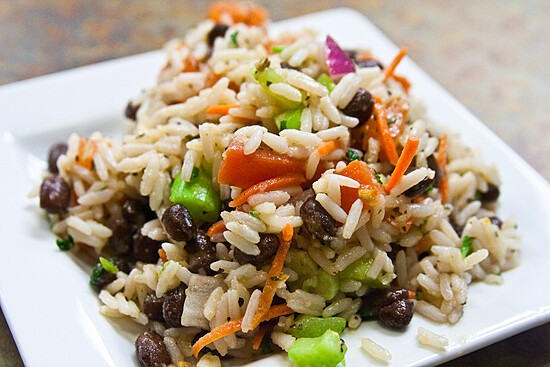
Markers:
278,48
290,119
466,248
198,195
327,350
325,80
65,245
312,327
352,155
233,37
108,265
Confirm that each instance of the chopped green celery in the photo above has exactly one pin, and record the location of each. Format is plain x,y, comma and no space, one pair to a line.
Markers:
466,248
325,80
268,76
327,350
323,284
311,327
198,196
301,263
358,271
108,265
278,48
289,119
206,166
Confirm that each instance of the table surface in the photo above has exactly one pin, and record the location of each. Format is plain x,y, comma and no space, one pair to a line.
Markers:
489,54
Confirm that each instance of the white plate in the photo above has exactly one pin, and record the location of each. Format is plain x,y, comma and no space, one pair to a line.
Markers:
52,312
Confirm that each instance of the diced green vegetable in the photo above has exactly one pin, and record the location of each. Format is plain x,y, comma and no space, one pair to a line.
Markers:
301,263
352,155
266,76
327,285
278,48
327,350
466,248
290,119
325,80
311,327
358,271
233,37
65,245
108,265
198,195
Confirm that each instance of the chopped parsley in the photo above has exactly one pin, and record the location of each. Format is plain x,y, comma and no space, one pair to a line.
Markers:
275,279
352,155
234,38
392,120
477,196
377,176
430,188
65,245
254,214
466,248
194,174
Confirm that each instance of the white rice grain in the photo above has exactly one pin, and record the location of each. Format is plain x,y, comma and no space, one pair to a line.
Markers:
431,339
375,350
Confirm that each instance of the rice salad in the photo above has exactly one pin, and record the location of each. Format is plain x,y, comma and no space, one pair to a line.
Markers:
271,192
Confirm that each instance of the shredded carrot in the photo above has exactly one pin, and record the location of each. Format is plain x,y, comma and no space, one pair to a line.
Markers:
412,295
267,185
407,226
327,147
388,71
272,279
422,245
221,109
403,163
247,13
288,232
384,131
216,228
231,327
86,150
403,81
442,160
259,336
162,255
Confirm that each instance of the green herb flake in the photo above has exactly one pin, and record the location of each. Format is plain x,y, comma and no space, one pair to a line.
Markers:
275,279
377,176
254,214
108,265
393,120
430,188
65,245
234,38
194,174
140,136
352,155
466,248
477,196
277,49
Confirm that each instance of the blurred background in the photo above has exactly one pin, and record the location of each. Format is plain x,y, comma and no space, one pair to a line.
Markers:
491,55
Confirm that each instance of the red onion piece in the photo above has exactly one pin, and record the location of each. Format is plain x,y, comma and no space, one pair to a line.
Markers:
337,61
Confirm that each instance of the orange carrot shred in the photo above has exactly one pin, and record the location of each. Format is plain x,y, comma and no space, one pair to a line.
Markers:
271,282
407,226
231,327
412,295
216,228
384,131
162,255
221,109
327,147
442,160
267,185
288,232
257,340
388,71
403,81
403,163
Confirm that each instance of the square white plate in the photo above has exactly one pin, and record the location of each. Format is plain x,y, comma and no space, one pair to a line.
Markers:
53,313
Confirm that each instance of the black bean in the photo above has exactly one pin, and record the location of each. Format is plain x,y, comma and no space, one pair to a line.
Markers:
122,265
360,106
121,240
55,194
203,242
218,30
439,173
145,248
135,212
269,243
286,65
152,307
369,63
397,314
100,278
458,228
172,308
317,221
491,194
55,151
377,299
200,263
151,351
419,188
178,223
225,206
496,221
131,110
